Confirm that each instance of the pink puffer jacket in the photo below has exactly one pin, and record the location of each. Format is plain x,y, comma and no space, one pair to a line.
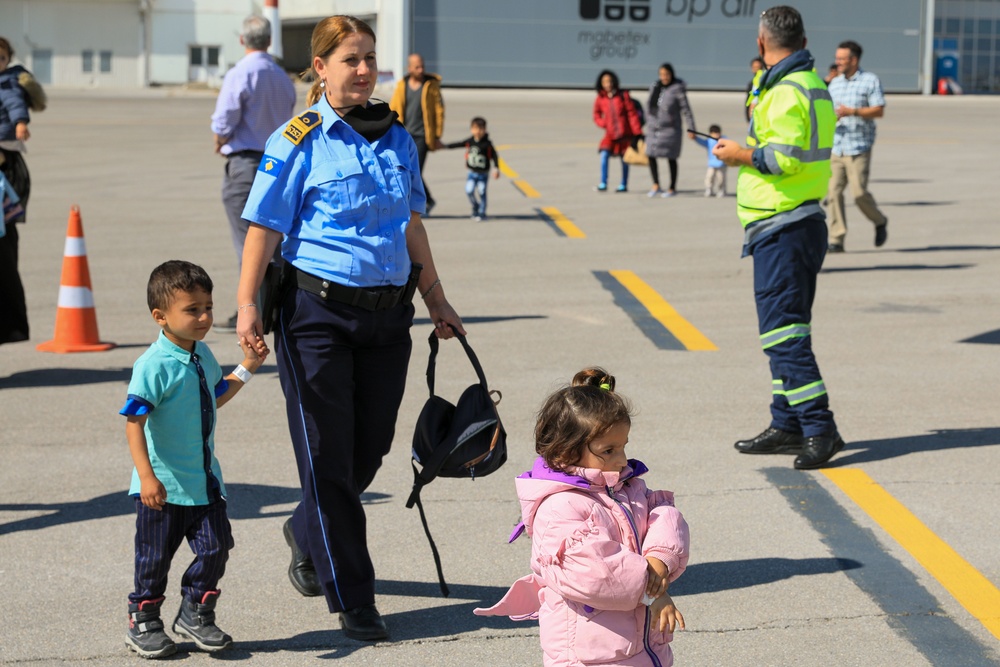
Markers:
590,533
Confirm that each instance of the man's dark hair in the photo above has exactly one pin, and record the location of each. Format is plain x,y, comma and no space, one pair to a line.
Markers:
851,46
171,276
758,60
479,122
714,128
783,27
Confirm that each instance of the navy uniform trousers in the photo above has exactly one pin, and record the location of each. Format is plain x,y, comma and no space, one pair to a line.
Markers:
159,533
343,372
785,266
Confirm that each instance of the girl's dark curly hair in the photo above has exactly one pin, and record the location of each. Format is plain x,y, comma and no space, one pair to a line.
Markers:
571,418
614,80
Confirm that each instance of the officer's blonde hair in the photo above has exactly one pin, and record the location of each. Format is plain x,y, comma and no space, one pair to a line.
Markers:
326,37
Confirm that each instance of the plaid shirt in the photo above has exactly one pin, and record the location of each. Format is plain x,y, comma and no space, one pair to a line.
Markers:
855,135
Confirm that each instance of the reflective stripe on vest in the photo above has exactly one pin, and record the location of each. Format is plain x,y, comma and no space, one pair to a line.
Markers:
780,335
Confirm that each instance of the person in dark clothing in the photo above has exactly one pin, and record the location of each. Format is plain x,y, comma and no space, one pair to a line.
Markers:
479,152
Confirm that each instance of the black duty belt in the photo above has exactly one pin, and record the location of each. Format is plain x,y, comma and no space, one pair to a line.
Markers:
368,298
257,155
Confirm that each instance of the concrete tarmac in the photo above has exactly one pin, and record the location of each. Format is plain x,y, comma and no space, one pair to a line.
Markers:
786,569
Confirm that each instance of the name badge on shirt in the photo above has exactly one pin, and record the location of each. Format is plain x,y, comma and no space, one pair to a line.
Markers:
300,126
270,165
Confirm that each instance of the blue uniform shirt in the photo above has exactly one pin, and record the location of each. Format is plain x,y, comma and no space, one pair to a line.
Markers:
342,203
165,385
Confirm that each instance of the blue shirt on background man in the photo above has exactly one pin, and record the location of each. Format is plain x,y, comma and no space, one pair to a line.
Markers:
256,97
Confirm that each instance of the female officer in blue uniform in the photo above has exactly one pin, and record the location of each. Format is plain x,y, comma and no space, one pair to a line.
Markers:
341,185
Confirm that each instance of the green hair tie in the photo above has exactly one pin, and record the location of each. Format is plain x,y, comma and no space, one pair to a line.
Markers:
606,387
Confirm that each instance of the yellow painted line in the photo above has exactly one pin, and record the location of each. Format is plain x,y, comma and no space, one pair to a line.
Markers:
526,189
972,590
506,170
664,313
563,223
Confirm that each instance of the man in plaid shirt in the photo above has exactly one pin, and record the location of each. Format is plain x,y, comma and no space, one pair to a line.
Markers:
858,100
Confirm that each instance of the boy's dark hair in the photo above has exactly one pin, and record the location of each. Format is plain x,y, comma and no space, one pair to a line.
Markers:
783,27
851,46
572,417
5,45
614,80
174,275
479,122
757,59
714,128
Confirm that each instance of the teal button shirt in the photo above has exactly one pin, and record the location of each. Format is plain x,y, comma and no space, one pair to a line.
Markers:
165,385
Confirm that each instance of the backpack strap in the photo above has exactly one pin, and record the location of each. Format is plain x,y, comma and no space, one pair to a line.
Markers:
433,342
415,500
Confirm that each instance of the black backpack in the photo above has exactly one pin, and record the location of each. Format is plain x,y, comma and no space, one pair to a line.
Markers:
463,440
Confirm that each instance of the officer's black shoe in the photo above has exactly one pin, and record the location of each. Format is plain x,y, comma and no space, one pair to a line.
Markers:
817,450
301,570
364,623
771,441
834,248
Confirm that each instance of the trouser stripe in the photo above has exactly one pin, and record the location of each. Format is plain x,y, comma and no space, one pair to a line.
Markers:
780,335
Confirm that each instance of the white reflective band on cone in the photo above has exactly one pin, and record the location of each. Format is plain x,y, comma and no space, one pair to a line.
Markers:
75,297
75,247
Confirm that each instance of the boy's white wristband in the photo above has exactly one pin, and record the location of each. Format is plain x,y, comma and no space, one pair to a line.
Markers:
647,599
243,374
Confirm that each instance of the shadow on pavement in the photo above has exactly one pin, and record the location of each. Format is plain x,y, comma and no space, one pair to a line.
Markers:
484,319
246,501
897,267
729,575
949,248
865,451
988,338
68,377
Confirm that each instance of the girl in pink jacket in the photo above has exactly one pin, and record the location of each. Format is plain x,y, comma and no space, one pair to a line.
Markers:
604,548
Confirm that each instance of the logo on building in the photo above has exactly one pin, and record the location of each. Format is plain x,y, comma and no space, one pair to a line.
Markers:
640,11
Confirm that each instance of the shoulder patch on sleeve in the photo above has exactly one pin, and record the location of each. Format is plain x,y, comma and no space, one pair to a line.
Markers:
270,165
301,125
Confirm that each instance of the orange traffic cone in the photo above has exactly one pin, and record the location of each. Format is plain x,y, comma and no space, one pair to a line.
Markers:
76,319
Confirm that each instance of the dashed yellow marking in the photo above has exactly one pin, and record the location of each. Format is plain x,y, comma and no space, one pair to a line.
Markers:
972,590
664,313
563,223
526,189
506,170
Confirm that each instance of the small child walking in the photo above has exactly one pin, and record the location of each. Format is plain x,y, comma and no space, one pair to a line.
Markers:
175,389
715,177
604,548
479,153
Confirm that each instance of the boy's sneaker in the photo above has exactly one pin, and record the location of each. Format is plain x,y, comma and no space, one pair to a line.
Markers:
145,633
655,192
197,622
622,188
601,187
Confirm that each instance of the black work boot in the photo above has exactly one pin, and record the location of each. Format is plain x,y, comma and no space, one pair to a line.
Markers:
197,622
301,571
772,441
145,633
817,450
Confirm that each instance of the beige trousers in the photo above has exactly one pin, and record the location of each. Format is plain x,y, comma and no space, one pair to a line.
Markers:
853,170
715,182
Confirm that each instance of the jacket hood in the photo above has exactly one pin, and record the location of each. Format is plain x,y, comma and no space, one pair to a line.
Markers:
541,481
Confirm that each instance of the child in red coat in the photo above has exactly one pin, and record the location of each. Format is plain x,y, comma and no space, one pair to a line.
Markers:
616,113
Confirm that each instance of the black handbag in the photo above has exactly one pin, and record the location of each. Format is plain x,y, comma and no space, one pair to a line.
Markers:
466,440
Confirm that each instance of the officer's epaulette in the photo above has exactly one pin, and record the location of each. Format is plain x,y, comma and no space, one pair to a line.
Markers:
301,125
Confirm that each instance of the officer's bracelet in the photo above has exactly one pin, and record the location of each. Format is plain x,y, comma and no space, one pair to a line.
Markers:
431,288
247,305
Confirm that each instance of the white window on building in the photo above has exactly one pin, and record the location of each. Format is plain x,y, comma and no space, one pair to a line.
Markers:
105,61
203,63
88,60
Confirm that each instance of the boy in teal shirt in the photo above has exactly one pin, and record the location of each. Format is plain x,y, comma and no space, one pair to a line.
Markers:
177,484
